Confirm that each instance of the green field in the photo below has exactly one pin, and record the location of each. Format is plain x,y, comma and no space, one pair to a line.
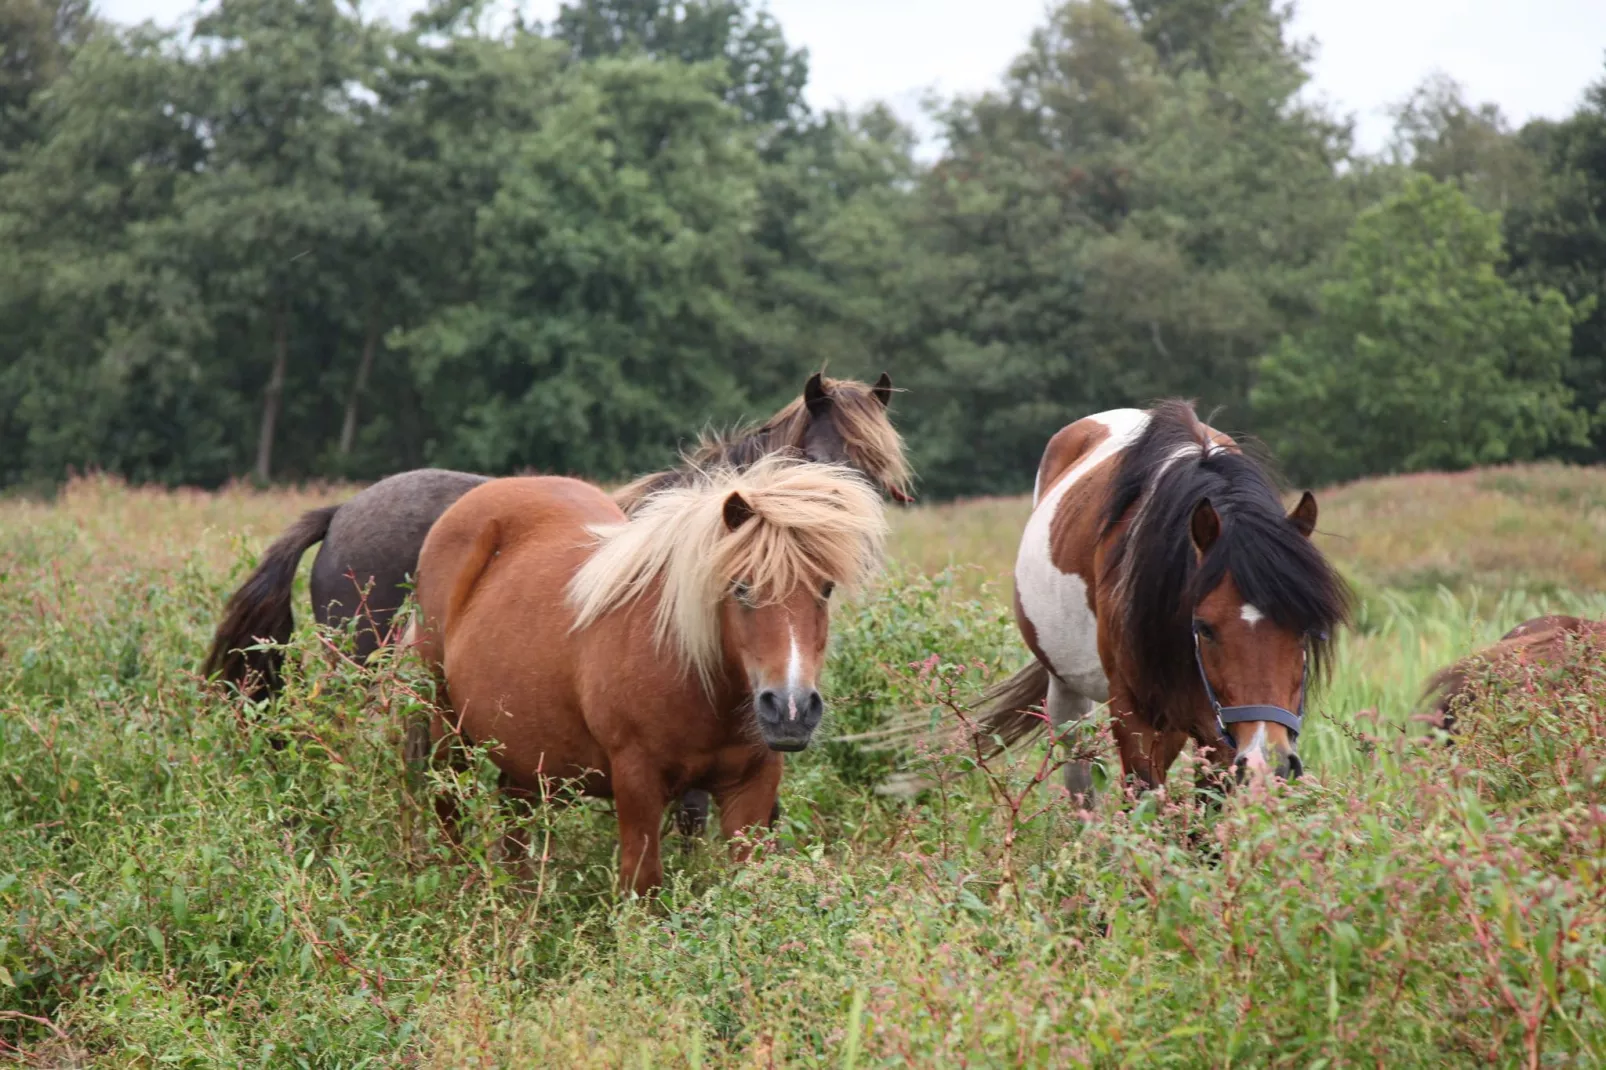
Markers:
176,891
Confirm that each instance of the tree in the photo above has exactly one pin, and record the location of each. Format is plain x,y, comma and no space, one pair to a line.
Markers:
267,223
1438,132
37,38
1558,239
1423,357
606,280
1138,212
764,77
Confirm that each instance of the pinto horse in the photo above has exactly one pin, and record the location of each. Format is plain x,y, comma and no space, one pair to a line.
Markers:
679,648
371,543
1159,573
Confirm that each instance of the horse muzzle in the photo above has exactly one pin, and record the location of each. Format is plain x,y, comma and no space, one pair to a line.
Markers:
788,716
1267,758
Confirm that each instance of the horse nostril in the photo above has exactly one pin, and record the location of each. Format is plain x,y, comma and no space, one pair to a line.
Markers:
1296,768
813,706
768,704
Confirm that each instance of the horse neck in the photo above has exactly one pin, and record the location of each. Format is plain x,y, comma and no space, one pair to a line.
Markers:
748,448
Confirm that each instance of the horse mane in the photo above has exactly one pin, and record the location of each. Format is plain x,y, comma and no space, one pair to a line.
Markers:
810,523
1156,573
872,443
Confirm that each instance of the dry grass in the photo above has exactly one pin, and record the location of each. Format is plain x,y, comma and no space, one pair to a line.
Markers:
1533,527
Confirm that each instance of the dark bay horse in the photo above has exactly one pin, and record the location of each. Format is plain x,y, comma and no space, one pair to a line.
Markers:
1158,572
371,543
678,648
1539,643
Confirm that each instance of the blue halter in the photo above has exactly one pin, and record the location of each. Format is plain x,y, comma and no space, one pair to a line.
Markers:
1292,720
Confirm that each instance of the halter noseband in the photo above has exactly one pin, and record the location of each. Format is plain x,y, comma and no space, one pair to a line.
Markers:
1292,720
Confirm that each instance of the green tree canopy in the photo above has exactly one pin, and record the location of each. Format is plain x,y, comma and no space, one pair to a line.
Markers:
1558,239
1423,356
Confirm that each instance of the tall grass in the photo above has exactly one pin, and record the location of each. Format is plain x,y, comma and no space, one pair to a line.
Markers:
177,889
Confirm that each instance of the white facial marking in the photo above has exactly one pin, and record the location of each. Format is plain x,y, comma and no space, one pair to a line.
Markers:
1251,615
1254,752
1056,602
794,672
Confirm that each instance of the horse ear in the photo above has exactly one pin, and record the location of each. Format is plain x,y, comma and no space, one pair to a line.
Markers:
815,396
737,511
883,390
1205,526
1303,515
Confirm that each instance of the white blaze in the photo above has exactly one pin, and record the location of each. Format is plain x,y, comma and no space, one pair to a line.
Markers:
794,673
1255,750
1251,615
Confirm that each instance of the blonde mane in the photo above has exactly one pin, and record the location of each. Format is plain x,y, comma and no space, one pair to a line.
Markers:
810,524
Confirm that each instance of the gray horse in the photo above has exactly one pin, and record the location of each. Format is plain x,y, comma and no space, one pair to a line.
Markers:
371,543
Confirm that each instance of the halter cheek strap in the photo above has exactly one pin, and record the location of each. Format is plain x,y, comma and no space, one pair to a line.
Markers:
1292,720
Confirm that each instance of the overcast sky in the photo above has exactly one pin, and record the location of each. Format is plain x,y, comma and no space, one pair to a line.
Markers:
1532,57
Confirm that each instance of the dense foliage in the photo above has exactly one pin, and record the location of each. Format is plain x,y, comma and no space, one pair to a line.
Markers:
289,241
1422,357
190,881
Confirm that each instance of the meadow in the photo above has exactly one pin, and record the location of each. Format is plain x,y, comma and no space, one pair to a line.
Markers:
178,891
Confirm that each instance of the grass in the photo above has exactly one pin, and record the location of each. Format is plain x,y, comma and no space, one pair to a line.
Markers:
177,891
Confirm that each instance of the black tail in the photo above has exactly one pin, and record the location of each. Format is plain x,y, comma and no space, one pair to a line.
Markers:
1005,709
260,610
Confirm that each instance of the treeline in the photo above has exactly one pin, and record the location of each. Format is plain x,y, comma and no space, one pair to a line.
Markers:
293,242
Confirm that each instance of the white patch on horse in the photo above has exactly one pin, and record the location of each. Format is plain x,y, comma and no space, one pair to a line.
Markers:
1254,752
794,672
1055,602
1251,615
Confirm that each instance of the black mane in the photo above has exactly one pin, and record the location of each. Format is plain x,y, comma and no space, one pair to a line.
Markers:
1156,569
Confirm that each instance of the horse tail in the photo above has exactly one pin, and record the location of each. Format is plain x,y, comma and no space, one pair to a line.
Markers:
1005,710
486,546
260,609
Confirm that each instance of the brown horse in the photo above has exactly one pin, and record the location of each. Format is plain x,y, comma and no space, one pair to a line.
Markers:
371,543
1158,572
1540,642
679,648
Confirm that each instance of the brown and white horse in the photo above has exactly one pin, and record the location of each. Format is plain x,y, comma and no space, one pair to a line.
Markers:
1159,573
677,649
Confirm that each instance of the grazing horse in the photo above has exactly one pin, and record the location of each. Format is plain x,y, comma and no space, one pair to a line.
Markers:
677,648
1540,642
1158,572
371,543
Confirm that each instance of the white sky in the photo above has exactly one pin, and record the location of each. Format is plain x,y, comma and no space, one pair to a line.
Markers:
1532,57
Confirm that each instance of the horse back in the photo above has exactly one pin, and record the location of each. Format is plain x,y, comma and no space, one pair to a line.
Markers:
1056,573
524,525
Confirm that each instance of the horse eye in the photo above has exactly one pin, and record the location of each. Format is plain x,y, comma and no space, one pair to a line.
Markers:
742,593
1207,633
825,592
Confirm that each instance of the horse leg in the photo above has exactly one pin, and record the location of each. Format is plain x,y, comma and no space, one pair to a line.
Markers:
691,819
752,804
1146,754
1066,708
639,797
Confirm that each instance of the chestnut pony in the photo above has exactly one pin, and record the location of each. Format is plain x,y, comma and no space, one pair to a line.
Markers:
371,543
678,648
1158,572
